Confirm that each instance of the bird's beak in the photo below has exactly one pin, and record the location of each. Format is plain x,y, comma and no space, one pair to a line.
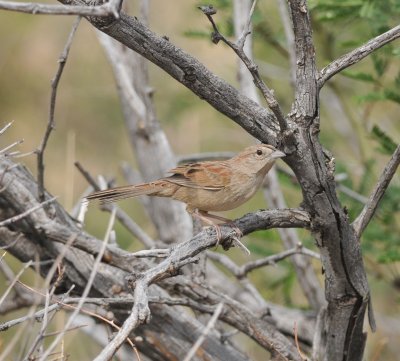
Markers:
277,154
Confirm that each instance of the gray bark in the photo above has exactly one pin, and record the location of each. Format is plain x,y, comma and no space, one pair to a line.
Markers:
44,231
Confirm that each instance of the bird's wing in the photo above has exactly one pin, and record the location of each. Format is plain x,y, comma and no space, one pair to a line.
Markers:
204,175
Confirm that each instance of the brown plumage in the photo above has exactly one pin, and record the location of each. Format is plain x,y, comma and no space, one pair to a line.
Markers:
206,186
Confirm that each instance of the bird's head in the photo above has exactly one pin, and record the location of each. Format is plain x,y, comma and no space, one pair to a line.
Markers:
258,158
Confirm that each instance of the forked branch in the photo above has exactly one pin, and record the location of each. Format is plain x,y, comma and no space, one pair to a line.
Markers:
51,122
267,93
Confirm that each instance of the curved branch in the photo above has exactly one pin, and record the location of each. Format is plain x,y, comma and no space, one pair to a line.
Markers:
107,9
41,229
238,48
188,71
369,209
356,55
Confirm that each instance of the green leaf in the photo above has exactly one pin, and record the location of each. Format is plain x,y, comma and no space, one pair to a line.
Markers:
380,64
392,95
388,146
393,255
371,97
197,34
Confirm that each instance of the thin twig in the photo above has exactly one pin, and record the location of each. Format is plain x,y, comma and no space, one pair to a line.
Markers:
296,340
242,271
287,27
13,243
4,150
2,130
51,122
357,54
67,304
369,209
14,281
87,288
206,331
149,253
46,319
273,104
87,176
26,213
125,220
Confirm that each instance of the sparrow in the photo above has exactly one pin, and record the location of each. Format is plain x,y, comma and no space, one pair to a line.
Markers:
215,186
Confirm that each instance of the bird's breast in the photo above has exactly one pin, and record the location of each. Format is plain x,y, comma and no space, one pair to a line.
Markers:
237,192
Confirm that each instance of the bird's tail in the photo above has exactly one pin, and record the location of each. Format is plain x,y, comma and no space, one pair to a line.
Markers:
159,188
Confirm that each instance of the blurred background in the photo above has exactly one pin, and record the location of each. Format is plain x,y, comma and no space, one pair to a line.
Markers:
359,125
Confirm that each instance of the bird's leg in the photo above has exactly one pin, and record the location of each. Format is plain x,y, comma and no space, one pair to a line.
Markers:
225,220
203,216
207,218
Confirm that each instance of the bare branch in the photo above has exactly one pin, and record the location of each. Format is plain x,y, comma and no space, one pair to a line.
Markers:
243,25
151,253
369,209
3,151
235,313
306,87
26,213
107,9
207,329
191,73
14,281
247,28
2,130
287,27
238,49
125,220
115,262
51,123
306,276
357,55
184,253
242,271
146,136
86,290
37,315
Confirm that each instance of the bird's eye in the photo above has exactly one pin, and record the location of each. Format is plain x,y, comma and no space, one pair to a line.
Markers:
259,152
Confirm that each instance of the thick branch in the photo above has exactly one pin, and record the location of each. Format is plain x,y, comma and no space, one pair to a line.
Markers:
44,231
191,73
369,209
356,55
107,9
306,95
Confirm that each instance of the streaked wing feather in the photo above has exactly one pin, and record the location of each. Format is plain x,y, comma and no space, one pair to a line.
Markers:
206,175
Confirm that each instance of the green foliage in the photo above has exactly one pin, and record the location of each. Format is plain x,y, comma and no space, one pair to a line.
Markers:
358,75
372,17
387,144
265,243
381,237
197,34
384,13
